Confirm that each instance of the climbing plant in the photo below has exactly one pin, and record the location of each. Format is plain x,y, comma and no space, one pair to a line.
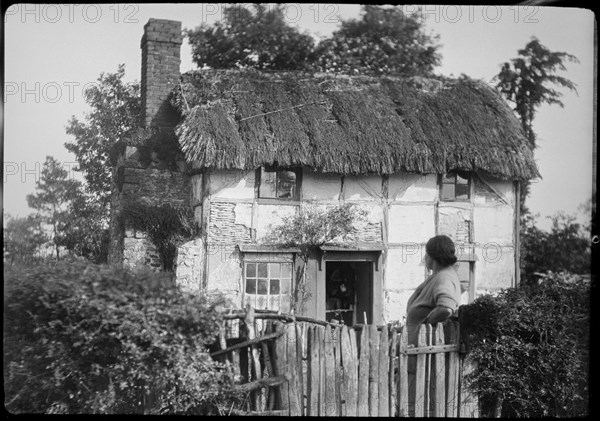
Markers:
167,225
310,228
156,144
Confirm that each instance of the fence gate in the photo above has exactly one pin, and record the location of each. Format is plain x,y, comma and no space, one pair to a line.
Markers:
305,367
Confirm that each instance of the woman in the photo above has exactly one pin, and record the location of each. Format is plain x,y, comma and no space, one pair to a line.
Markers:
434,301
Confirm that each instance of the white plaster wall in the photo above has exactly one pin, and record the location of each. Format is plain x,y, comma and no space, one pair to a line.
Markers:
404,267
320,186
502,188
363,187
494,268
395,305
232,184
190,262
450,215
493,224
411,223
409,187
269,216
243,214
224,271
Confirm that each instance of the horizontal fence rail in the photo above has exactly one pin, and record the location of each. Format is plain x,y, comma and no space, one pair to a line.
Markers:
298,366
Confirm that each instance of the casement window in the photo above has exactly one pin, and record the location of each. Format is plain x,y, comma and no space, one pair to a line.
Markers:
455,187
283,184
268,285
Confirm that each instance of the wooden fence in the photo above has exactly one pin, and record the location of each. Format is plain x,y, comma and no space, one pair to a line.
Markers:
304,367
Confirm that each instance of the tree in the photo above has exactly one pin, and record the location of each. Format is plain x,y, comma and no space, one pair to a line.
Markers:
527,82
384,40
257,37
565,248
115,115
74,217
86,232
54,193
309,229
22,237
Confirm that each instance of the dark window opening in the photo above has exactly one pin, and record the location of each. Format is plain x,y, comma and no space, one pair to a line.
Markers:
455,187
349,292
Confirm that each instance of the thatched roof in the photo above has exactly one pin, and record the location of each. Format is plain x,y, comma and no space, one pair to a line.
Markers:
349,125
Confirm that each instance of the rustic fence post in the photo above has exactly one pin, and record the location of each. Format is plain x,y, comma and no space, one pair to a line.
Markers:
452,370
363,374
249,320
281,365
420,381
373,370
383,375
403,403
439,392
394,371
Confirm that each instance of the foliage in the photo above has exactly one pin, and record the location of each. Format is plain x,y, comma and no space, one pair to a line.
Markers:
84,338
566,248
384,40
159,146
531,348
115,115
23,237
74,217
86,230
55,192
310,228
167,225
254,36
526,82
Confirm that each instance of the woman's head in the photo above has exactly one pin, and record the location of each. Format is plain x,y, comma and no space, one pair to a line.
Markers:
441,249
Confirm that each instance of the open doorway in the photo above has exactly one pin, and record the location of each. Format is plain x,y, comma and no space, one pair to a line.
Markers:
349,292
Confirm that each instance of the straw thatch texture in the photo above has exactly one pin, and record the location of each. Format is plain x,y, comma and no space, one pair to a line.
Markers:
349,125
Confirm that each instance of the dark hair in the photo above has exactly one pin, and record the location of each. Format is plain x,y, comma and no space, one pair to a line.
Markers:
441,249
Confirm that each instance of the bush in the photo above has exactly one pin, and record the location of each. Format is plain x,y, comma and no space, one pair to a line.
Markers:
84,338
531,348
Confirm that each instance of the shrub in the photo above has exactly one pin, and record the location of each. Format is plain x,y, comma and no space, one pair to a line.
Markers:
531,348
84,338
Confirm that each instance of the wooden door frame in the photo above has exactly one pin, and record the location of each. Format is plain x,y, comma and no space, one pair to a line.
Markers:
372,256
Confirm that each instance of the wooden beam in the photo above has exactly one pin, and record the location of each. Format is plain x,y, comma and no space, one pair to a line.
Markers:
247,343
266,382
432,349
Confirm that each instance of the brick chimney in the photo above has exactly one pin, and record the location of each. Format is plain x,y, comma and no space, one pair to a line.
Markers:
161,44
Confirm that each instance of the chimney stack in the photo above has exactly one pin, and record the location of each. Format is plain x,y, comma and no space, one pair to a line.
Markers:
161,45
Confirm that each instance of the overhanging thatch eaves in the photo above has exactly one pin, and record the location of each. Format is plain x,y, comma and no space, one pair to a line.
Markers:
349,125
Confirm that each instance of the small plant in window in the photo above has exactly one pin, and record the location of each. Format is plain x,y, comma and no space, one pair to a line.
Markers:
455,186
279,184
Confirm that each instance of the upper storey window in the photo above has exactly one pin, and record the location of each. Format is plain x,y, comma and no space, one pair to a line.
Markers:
455,187
279,183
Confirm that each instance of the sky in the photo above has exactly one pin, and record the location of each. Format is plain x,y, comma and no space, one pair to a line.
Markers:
54,51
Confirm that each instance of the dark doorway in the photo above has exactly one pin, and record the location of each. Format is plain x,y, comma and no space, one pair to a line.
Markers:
348,292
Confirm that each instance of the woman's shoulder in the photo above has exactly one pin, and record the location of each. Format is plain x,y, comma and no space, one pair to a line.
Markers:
448,273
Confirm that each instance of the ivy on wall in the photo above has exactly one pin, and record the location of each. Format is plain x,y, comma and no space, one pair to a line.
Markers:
168,226
157,145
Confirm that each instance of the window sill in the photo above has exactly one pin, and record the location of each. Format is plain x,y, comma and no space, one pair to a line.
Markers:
274,201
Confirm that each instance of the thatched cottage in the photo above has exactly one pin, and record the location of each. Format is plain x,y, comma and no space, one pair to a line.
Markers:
421,157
